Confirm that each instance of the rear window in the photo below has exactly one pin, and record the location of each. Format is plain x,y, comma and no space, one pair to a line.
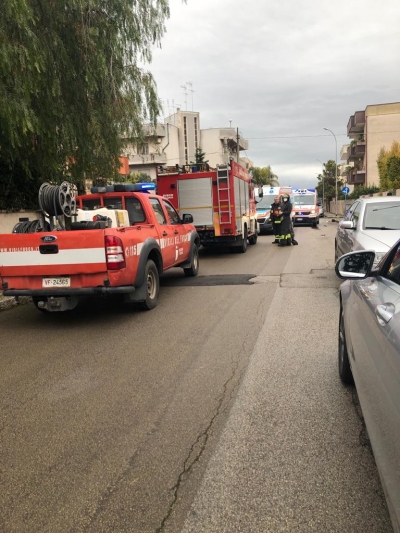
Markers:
135,210
113,202
382,216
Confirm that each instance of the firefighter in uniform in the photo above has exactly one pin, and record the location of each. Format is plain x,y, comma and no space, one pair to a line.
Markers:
276,219
286,237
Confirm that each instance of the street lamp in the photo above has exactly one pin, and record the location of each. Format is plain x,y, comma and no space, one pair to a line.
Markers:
326,129
323,184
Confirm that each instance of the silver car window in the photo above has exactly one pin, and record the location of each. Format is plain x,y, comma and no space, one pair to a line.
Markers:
355,215
393,272
382,216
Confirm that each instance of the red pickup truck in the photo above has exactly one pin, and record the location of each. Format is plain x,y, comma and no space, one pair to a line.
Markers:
56,268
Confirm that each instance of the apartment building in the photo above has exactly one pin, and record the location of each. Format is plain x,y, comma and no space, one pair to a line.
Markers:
176,140
370,130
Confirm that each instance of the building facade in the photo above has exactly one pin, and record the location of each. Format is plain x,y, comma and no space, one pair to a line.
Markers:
175,143
370,130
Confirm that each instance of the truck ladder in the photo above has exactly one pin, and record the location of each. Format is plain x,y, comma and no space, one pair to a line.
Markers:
224,199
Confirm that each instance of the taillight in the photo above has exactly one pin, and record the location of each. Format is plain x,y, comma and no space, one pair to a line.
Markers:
114,253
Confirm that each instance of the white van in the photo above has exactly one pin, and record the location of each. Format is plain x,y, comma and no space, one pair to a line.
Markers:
305,207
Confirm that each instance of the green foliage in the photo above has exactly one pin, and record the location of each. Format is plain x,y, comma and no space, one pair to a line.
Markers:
138,177
199,157
389,167
72,85
264,176
361,190
327,181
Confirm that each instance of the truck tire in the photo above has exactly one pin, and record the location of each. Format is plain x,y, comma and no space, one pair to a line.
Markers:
193,270
243,246
152,282
253,238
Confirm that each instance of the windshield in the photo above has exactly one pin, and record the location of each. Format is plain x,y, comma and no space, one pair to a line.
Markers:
265,202
382,216
304,199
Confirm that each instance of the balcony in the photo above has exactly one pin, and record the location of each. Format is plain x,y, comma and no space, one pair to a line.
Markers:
356,123
356,177
343,152
148,159
356,151
230,134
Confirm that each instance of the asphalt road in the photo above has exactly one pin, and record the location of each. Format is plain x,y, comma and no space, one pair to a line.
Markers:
218,411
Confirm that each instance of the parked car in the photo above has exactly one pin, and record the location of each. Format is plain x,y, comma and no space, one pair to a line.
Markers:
369,356
321,210
369,224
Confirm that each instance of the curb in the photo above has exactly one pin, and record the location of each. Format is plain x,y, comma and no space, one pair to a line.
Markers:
7,302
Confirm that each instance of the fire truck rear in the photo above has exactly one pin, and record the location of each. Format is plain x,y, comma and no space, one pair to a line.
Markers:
221,201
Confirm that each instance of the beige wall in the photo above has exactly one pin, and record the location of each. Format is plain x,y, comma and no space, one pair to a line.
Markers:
382,128
212,146
8,220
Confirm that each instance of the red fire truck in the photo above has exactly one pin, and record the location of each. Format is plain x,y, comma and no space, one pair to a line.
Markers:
221,201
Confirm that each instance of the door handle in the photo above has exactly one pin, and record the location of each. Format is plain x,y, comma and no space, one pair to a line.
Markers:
165,233
384,313
176,232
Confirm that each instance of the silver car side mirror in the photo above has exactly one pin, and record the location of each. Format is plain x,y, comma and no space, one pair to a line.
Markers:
355,265
346,224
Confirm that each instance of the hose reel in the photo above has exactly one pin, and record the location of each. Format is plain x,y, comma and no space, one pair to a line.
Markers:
57,200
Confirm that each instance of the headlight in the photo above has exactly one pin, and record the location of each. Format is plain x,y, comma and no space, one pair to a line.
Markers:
378,257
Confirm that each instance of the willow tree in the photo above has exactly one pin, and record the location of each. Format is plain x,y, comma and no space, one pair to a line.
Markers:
73,83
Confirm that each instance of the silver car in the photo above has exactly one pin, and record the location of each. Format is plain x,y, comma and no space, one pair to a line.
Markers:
369,224
369,353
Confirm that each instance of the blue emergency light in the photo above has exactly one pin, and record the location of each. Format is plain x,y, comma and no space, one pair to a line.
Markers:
125,187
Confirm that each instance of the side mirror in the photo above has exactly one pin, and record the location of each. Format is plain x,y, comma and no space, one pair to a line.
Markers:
355,265
346,224
260,192
319,204
187,219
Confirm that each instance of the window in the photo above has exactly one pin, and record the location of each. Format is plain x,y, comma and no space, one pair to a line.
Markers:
356,214
158,211
394,268
91,204
135,210
113,203
143,149
172,214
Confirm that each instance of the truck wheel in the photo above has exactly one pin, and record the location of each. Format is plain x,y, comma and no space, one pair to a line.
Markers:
243,247
253,238
152,283
193,270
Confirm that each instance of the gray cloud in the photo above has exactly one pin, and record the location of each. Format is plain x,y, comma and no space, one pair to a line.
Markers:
281,69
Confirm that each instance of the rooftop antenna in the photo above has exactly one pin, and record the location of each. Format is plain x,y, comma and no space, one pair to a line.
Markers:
184,87
189,84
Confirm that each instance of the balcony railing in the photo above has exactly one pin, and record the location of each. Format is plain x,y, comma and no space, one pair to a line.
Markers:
356,177
356,151
356,123
158,159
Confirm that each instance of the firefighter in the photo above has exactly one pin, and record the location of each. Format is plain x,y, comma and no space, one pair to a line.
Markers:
286,237
292,233
276,219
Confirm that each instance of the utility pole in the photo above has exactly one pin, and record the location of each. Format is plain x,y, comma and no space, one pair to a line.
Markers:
237,145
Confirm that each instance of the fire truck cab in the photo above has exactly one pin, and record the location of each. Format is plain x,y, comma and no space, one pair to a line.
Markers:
221,200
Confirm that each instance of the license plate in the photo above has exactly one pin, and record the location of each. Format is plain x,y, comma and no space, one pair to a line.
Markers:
56,282
299,219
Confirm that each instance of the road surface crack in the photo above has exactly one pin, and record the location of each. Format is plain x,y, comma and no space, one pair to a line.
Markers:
197,448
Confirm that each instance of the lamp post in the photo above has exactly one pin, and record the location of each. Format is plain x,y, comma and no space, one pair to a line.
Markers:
323,184
326,129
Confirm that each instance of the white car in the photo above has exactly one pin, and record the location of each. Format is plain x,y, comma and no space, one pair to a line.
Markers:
321,210
370,224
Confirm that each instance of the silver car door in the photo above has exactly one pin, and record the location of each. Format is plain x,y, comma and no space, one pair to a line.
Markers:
374,329
344,241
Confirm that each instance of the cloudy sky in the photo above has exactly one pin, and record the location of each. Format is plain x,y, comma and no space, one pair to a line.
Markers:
281,71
